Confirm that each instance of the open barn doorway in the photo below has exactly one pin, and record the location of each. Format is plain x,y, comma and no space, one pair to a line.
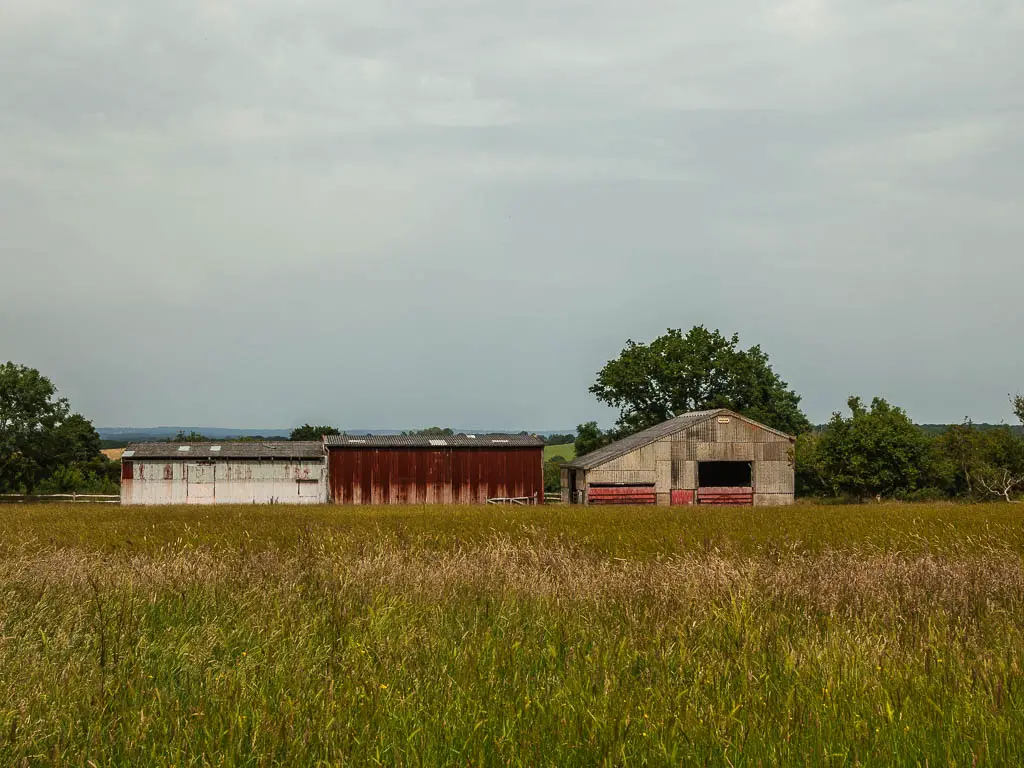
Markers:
723,474
725,482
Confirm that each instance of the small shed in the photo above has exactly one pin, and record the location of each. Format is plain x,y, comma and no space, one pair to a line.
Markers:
281,472
453,469
703,457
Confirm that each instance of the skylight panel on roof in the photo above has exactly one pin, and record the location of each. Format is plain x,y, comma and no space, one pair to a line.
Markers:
499,441
184,448
127,454
214,448
357,441
438,443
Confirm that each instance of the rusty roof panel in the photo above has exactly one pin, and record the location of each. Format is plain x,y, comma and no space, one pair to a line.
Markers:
433,441
282,449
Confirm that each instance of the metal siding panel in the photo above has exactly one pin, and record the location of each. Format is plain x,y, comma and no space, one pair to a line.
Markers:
460,463
773,477
724,452
459,476
704,432
228,482
742,496
684,474
440,467
740,431
639,459
681,450
148,485
706,451
369,458
739,451
475,470
777,450
516,477
597,476
265,482
663,476
622,495
681,498
495,471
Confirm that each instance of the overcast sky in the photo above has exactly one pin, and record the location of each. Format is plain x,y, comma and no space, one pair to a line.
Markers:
388,213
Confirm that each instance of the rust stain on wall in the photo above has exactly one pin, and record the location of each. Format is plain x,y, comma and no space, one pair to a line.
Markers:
434,476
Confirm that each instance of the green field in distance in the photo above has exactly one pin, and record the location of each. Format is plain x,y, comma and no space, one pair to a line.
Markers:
567,452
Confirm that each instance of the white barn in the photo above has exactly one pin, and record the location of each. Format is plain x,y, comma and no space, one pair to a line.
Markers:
281,472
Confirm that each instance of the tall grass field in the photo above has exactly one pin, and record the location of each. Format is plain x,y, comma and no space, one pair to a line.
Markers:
278,636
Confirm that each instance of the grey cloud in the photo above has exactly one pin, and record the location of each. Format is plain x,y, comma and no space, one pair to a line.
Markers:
385,214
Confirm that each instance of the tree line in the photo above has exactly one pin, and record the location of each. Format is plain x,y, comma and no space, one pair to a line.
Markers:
872,450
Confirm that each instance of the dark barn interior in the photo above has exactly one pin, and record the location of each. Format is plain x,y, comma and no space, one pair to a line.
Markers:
723,474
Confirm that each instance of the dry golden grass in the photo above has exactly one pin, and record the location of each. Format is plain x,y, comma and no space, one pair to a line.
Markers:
285,636
114,454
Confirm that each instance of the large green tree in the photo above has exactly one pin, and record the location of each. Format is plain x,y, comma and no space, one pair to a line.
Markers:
809,477
876,451
698,370
590,437
38,431
1018,407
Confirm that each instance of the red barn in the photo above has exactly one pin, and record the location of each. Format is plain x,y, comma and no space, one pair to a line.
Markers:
455,469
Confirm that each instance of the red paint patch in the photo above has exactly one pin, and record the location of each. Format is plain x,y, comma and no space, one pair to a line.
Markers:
622,494
681,498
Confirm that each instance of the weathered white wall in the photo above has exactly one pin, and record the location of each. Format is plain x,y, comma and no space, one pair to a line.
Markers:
230,481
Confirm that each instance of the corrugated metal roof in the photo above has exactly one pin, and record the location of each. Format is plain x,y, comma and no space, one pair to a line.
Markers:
658,431
429,441
283,449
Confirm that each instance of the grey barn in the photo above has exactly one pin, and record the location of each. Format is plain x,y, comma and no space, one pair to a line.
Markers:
703,457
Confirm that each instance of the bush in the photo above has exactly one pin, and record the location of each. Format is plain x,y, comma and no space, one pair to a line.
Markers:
924,494
553,474
876,452
97,476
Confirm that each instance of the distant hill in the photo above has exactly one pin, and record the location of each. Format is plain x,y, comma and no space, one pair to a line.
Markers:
119,437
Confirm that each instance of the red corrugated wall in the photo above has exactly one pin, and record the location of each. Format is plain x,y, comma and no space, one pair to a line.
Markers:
434,476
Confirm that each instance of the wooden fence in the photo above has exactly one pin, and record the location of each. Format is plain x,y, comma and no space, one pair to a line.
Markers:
59,498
